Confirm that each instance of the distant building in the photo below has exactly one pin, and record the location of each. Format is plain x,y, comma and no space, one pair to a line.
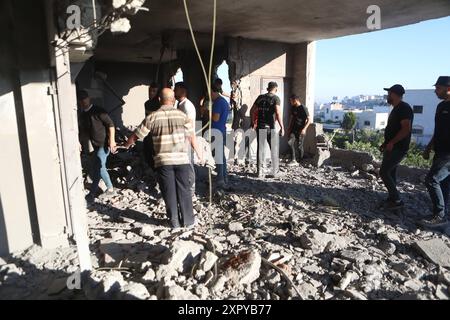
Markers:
424,103
372,119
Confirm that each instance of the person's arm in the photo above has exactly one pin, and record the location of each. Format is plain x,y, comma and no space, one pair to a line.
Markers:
193,140
402,134
108,123
428,149
140,133
305,129
254,116
112,140
279,119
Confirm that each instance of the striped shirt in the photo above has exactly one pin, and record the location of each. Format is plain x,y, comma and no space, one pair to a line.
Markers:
169,129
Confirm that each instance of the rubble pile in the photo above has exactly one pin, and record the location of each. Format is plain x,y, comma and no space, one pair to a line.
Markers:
314,233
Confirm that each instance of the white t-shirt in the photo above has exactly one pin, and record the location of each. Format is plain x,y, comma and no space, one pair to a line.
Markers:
188,108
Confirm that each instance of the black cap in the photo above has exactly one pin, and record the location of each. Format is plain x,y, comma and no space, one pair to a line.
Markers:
443,81
398,89
82,94
272,85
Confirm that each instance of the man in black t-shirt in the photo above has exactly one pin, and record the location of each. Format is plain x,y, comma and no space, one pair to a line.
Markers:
263,111
298,125
397,137
438,178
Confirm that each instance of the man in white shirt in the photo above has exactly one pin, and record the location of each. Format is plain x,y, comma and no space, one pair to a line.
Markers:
187,107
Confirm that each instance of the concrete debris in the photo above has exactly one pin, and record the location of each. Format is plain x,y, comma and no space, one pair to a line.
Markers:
243,268
436,250
319,227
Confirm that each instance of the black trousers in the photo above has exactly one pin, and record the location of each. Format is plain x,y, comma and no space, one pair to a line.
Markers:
176,191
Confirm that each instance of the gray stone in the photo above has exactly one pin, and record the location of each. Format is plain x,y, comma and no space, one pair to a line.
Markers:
443,292
175,292
318,241
135,290
347,279
180,258
307,291
146,231
413,284
243,268
356,295
149,276
356,256
436,250
209,260
234,239
320,157
235,226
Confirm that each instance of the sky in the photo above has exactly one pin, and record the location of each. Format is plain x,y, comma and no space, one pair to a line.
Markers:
413,56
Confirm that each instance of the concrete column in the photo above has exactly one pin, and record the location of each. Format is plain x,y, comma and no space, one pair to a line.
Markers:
304,65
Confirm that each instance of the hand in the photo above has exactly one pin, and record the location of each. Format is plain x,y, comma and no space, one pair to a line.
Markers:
382,147
282,132
113,147
303,132
389,147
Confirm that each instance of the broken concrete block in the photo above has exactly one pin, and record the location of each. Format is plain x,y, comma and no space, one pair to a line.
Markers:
209,261
318,241
134,290
436,250
235,226
146,231
149,276
320,157
243,268
307,291
442,292
356,256
175,292
180,258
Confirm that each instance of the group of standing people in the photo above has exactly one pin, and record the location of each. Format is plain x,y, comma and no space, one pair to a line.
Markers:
170,122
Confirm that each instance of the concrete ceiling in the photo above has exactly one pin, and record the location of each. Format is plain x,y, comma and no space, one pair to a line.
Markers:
290,21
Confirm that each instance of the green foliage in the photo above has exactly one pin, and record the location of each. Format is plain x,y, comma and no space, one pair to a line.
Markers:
349,121
370,141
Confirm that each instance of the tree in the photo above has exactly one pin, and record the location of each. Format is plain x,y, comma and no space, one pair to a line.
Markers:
348,124
349,121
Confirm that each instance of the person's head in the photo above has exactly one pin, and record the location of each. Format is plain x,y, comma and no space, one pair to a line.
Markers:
167,97
218,83
215,92
295,100
443,88
153,91
395,94
272,87
83,99
181,91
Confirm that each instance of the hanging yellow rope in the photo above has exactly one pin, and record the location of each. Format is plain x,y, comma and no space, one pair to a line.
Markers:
207,76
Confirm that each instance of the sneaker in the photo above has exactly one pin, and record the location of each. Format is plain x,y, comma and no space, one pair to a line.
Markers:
192,226
435,221
108,193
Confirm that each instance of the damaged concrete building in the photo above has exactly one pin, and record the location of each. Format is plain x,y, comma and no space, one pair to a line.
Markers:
42,63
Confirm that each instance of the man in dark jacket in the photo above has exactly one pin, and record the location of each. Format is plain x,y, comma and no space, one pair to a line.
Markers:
96,124
438,179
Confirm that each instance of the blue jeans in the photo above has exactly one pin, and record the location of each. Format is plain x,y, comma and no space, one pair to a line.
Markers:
99,169
438,184
221,168
388,172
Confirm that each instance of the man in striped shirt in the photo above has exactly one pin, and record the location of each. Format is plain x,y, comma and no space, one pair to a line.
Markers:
169,129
